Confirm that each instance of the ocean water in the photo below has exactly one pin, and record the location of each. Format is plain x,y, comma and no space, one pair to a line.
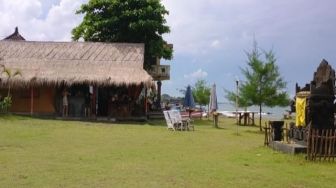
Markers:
275,113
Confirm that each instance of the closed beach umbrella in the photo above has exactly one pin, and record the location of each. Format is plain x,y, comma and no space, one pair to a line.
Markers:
189,99
189,102
213,99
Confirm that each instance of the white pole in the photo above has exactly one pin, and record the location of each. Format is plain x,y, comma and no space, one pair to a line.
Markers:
237,94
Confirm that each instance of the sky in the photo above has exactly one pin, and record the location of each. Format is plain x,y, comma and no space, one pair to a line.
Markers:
210,37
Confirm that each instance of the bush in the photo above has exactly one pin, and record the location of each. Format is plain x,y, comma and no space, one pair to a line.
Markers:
5,104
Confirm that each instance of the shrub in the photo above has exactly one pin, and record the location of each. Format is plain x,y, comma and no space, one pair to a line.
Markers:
5,104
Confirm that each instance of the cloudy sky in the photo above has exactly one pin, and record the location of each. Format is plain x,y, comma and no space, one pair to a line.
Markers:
210,37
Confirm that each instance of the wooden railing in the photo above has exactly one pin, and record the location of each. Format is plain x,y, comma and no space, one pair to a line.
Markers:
321,144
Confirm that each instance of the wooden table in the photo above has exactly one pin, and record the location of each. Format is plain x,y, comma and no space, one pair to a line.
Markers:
248,118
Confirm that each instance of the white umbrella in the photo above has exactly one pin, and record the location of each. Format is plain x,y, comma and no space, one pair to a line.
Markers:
213,99
214,104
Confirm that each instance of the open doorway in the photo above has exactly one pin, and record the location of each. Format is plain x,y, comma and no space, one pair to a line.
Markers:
78,99
103,100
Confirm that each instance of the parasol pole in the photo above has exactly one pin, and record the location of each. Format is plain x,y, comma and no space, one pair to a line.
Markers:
237,94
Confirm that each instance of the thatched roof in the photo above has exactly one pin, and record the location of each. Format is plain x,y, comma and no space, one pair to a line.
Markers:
74,62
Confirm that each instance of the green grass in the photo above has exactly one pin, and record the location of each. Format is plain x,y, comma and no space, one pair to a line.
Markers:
51,153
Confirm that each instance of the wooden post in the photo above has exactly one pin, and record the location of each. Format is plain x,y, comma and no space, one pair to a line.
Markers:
237,105
158,101
333,139
253,118
146,102
266,135
326,145
215,119
31,101
245,118
239,118
94,101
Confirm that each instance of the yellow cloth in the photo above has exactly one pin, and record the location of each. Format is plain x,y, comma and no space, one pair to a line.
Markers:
300,111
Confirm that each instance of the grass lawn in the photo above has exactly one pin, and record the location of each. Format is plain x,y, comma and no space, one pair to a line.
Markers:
51,153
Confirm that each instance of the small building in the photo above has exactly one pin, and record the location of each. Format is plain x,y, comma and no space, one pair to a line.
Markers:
159,73
107,79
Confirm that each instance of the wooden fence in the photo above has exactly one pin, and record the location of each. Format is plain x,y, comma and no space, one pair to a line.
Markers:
321,144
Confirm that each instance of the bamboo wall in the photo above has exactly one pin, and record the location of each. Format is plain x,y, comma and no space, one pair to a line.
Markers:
43,101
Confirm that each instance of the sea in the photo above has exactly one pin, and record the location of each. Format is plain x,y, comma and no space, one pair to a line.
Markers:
275,113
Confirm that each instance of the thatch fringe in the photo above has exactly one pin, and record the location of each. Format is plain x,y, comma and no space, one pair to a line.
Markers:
54,63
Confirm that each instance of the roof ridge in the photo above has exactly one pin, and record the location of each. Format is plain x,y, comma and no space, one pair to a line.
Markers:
74,42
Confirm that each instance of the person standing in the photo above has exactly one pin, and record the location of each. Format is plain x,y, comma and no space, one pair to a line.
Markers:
65,94
87,109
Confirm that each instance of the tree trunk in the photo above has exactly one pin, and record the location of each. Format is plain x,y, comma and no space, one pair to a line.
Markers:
260,102
9,88
260,117
208,113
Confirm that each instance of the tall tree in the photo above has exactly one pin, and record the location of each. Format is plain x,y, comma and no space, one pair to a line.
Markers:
264,85
201,92
233,97
134,21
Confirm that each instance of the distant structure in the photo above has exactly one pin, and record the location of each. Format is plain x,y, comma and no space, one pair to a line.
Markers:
160,73
315,130
320,103
15,36
314,103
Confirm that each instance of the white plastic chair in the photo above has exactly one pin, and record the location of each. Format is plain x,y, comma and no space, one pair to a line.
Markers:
170,124
176,120
184,124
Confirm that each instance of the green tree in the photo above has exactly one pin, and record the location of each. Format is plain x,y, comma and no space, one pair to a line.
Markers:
232,97
10,74
134,21
6,103
201,92
264,85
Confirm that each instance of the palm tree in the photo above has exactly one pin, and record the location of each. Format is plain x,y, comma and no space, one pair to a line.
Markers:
10,74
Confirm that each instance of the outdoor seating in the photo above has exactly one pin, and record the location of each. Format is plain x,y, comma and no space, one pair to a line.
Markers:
170,124
182,123
175,121
190,125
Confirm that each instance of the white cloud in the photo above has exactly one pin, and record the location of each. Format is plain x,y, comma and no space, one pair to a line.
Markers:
20,9
15,13
234,23
199,74
168,82
215,44
60,19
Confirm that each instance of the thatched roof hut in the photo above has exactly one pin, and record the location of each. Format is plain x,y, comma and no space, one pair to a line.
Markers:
48,63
